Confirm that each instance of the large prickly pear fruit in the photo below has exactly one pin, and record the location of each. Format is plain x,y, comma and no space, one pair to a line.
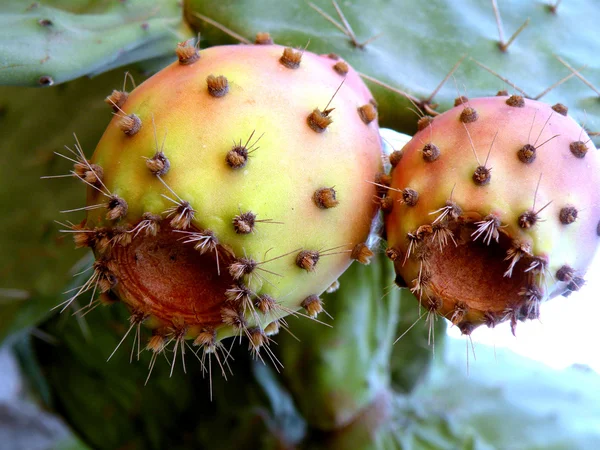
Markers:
228,192
493,207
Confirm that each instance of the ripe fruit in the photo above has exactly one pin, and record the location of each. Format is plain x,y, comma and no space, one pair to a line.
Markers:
228,191
493,207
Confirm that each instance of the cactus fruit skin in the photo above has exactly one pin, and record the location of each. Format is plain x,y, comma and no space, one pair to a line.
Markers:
221,198
445,32
484,249
331,387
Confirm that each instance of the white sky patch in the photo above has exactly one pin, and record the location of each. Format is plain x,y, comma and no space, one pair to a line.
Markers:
567,333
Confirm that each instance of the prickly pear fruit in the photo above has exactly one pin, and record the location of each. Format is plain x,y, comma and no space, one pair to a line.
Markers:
228,192
494,207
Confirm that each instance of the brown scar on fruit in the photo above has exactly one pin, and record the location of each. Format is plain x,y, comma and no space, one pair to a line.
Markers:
382,183
291,58
488,228
263,38
451,211
319,120
468,115
367,113
187,53
116,99
90,173
182,215
578,149
462,100
234,317
245,223
362,253
308,259
531,217
325,198
333,287
130,124
341,68
430,152
386,204
527,153
568,215
218,86
560,109
237,157
121,235
410,197
313,306
159,164
117,208
516,101
565,273
424,122
149,225
395,158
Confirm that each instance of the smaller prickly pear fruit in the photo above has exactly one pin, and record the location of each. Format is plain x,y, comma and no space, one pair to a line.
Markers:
227,192
495,207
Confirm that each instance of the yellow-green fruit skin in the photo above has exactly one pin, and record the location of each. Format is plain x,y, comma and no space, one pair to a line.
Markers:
266,108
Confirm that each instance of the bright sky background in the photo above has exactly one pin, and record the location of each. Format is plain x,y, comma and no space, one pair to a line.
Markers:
568,331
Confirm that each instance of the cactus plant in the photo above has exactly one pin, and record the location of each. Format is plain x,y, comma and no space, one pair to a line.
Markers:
367,34
330,390
36,260
482,246
50,42
247,210
259,408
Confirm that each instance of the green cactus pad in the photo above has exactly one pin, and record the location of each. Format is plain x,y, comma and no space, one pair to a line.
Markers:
417,45
36,260
330,387
50,42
